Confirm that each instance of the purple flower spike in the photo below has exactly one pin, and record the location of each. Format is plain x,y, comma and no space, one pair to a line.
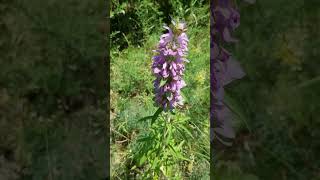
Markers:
168,66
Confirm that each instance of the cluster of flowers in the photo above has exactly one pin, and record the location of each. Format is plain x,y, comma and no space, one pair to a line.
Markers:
168,66
223,67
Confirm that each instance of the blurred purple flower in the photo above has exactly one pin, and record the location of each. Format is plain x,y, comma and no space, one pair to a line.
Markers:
168,66
226,19
223,67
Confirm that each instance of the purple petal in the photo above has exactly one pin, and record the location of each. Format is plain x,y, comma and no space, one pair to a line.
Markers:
227,36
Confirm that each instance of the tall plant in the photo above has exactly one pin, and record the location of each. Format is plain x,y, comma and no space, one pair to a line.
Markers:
159,149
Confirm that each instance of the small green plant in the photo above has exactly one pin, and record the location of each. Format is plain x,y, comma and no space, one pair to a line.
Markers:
161,149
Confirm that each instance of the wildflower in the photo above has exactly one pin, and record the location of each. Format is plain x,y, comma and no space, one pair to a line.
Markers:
168,66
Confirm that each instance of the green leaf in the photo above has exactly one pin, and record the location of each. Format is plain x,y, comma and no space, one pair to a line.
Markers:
142,160
155,163
145,118
133,168
153,117
143,139
181,144
162,82
175,152
156,114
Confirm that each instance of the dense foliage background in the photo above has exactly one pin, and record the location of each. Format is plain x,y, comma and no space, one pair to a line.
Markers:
52,122
277,103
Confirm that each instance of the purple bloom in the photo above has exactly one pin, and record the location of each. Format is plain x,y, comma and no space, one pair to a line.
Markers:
168,67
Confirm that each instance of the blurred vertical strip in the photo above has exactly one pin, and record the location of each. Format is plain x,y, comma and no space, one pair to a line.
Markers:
212,76
107,70
224,68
